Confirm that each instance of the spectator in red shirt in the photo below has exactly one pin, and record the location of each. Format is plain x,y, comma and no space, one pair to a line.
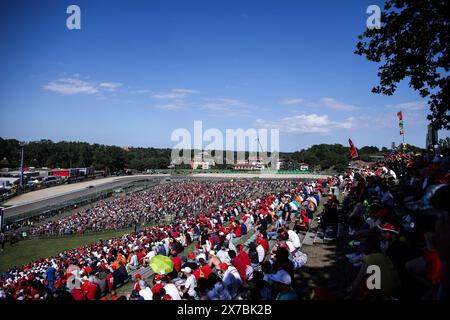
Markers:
109,280
77,293
84,285
176,261
239,264
137,287
114,295
261,240
157,284
204,271
243,255
92,290
237,230
141,255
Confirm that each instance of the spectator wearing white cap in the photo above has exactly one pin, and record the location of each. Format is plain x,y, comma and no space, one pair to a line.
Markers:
189,286
281,282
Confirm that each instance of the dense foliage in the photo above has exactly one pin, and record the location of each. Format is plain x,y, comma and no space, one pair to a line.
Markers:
332,156
45,153
413,42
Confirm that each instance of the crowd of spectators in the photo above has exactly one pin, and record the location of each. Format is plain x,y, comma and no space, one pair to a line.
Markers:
243,239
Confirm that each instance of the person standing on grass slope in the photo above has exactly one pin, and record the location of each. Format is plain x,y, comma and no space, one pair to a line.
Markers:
50,275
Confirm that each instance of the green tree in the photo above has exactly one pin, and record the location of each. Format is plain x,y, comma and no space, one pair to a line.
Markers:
413,42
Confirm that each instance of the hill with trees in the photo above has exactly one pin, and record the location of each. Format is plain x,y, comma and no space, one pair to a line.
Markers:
67,154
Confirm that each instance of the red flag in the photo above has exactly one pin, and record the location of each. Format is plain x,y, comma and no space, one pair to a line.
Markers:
353,151
400,115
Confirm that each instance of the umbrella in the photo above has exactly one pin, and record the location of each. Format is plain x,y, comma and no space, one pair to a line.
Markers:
161,264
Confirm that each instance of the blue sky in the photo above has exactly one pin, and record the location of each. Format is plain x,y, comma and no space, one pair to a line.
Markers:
137,70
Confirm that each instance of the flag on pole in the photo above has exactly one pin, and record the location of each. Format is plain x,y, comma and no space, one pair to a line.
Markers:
353,151
400,122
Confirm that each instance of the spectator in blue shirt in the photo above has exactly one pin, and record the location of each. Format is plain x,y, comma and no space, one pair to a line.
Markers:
50,276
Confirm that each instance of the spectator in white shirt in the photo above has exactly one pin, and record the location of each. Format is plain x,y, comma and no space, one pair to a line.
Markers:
231,278
190,284
223,256
294,238
261,253
145,291
171,290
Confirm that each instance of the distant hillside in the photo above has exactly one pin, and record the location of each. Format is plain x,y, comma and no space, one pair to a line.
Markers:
46,153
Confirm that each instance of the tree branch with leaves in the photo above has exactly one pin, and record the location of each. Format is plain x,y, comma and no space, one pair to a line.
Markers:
413,42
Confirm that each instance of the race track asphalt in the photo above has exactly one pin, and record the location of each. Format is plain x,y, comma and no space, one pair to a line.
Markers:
51,196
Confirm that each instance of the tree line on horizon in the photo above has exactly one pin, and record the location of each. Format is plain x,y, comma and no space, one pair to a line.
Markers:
71,154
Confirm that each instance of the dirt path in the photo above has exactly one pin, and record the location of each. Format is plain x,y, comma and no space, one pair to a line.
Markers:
327,268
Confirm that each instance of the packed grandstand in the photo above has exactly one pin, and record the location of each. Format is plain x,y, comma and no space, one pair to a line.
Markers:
243,239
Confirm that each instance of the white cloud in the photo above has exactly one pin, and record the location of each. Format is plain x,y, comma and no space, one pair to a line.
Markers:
174,94
176,105
224,106
171,95
293,101
336,105
141,91
324,102
75,85
186,91
306,123
71,86
414,105
169,107
110,86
